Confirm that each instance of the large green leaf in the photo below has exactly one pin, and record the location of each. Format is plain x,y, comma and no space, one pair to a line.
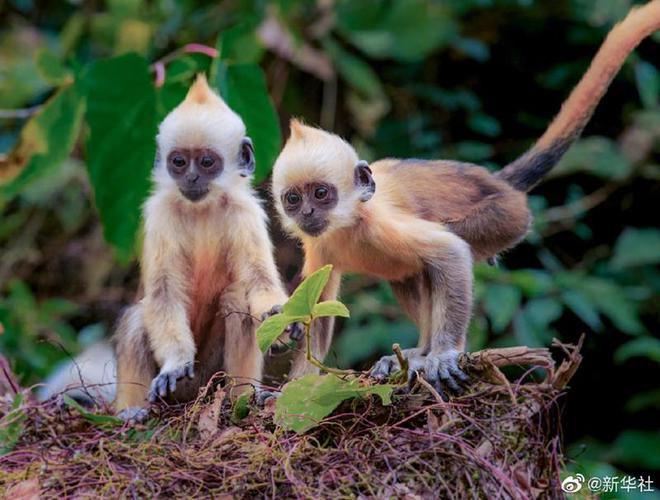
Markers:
636,247
121,112
306,401
243,86
406,30
45,142
305,297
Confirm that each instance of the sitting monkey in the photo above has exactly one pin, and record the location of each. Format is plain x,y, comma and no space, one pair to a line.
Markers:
208,273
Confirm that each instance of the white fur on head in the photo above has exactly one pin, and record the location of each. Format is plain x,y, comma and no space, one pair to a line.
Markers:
202,120
314,155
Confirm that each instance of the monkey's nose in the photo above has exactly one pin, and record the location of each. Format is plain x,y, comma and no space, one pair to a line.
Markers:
193,177
308,211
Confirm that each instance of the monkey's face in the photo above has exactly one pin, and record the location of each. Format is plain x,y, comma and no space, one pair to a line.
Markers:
310,205
314,205
196,170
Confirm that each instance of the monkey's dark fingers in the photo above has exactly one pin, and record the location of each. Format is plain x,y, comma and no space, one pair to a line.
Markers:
190,370
134,414
158,388
438,388
384,367
276,309
296,331
262,395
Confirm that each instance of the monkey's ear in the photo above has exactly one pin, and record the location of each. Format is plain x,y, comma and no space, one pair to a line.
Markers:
364,180
246,163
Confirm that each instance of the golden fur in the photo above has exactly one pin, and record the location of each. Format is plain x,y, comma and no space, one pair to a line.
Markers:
208,272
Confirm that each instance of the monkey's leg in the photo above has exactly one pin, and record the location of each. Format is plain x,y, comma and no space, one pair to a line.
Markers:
414,296
136,366
321,332
243,360
450,276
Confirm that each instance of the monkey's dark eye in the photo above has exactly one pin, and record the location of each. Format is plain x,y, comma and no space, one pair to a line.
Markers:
293,198
179,161
207,161
320,193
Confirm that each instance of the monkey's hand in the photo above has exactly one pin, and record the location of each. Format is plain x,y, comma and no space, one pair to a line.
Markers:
134,414
167,379
262,395
295,331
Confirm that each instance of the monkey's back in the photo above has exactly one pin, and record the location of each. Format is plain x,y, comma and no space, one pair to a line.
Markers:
485,211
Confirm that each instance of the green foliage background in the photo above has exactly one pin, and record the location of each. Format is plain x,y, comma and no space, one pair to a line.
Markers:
473,80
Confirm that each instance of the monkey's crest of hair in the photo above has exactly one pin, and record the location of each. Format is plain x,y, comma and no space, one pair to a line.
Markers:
201,120
314,155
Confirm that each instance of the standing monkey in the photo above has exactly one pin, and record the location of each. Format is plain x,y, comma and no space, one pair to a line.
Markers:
420,224
207,264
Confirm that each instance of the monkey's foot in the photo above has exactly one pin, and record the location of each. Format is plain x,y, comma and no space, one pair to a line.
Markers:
166,381
134,414
387,365
443,367
437,368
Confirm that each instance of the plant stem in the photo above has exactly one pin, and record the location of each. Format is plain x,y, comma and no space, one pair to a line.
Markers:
312,359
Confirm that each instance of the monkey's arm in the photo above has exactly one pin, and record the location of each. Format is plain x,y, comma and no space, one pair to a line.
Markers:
322,328
165,313
258,270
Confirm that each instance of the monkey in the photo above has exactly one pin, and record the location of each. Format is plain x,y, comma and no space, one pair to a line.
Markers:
208,273
420,224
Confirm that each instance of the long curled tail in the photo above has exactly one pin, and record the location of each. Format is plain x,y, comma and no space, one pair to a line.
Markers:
526,171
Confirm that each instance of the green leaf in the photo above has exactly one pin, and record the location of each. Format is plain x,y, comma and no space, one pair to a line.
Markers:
12,426
303,299
646,347
330,308
239,44
637,449
405,30
50,67
94,418
501,303
269,331
356,72
45,142
121,112
636,247
306,401
598,156
643,401
582,308
532,323
241,408
648,83
243,87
